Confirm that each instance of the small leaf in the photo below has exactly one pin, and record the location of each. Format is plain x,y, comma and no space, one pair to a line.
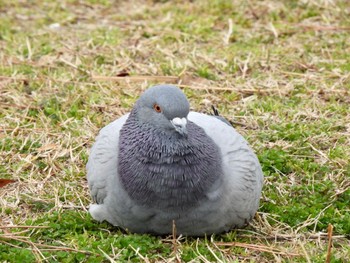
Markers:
4,182
123,73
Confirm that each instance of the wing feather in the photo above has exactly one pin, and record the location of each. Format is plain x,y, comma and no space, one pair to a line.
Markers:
242,181
102,165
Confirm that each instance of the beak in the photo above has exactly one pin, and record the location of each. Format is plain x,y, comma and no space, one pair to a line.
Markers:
180,125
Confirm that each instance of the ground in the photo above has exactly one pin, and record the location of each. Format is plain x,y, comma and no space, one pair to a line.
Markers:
279,71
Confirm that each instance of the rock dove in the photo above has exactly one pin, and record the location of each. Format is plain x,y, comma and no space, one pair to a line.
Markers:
163,163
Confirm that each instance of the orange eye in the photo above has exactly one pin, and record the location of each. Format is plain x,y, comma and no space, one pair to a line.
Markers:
157,108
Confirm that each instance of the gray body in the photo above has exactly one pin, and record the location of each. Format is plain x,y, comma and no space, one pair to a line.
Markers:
142,177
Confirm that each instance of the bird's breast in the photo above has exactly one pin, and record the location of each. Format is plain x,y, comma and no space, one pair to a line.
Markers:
164,173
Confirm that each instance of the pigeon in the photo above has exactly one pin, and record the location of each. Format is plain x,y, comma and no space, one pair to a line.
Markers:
163,165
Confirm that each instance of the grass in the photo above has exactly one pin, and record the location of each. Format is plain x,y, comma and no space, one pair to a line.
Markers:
279,71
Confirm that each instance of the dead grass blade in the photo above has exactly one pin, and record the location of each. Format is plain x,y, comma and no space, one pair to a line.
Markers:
168,79
324,28
261,248
245,91
229,32
7,227
175,245
329,249
137,251
42,246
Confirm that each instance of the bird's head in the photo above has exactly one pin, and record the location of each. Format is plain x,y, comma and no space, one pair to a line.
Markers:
165,107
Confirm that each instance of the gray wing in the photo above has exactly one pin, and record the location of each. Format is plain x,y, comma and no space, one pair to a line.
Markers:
102,166
242,182
112,202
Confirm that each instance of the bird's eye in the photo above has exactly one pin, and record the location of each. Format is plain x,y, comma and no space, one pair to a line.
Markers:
157,108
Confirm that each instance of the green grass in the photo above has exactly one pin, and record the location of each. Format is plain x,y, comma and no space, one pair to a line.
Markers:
281,76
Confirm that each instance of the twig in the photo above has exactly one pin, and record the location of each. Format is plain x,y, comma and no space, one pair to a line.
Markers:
74,66
305,252
318,151
174,241
22,107
9,244
324,28
207,88
46,247
107,256
329,250
5,227
13,236
318,236
200,254
172,79
214,255
256,247
244,91
174,238
13,78
137,251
